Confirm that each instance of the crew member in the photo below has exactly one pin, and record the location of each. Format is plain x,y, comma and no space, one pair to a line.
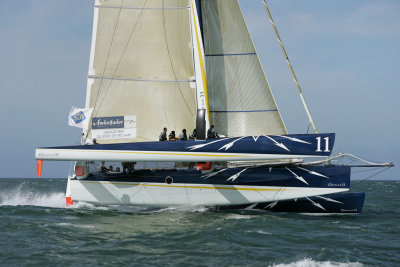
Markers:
183,135
193,135
211,133
163,135
103,167
172,136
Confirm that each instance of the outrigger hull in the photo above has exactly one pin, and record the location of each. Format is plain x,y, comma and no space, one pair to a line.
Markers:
224,187
347,202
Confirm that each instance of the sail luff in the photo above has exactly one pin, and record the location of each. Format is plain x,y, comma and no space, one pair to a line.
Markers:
91,64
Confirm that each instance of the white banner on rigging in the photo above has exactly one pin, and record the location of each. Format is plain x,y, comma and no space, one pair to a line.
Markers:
79,117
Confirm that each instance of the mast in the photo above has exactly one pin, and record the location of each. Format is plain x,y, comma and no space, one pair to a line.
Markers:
291,69
203,114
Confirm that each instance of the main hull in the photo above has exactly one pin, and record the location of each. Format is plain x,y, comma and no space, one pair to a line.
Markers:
234,186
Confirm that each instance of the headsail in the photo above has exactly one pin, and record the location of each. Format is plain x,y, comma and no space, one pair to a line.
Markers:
141,66
241,102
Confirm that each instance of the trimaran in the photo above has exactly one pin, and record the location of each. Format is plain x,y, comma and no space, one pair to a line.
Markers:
191,64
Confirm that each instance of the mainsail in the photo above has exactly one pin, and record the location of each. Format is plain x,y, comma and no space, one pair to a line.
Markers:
241,102
141,69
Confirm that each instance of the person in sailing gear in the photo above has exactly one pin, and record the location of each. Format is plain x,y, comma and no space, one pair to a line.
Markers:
163,135
128,167
183,135
193,135
172,136
211,133
103,167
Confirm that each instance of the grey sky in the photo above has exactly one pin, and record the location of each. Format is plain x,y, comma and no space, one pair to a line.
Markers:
345,54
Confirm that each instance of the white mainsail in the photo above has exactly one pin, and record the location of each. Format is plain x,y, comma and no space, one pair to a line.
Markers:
141,67
241,102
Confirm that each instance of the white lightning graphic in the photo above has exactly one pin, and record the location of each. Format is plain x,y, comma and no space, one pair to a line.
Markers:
229,145
296,176
206,144
313,172
281,145
330,199
206,176
235,176
251,206
271,205
316,204
294,139
255,138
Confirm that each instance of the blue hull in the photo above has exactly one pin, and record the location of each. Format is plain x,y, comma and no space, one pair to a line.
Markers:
313,177
332,203
296,144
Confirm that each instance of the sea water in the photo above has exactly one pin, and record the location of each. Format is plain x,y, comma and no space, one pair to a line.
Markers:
37,229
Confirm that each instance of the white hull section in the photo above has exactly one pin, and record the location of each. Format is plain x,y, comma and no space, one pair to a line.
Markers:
167,195
128,155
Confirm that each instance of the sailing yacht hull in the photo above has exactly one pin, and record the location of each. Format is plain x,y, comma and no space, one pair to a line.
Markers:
233,186
162,195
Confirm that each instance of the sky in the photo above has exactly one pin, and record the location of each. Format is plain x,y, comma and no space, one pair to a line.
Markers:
345,55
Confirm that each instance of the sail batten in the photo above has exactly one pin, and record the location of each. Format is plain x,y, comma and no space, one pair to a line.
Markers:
231,54
148,8
136,79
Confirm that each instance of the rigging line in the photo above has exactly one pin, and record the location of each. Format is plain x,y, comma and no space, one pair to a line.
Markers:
105,65
385,169
170,61
367,170
119,61
291,68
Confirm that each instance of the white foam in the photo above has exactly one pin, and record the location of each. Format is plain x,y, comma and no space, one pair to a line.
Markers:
86,205
199,208
20,197
260,232
239,217
75,225
311,263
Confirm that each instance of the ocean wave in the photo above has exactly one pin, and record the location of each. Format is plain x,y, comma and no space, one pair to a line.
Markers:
311,263
22,196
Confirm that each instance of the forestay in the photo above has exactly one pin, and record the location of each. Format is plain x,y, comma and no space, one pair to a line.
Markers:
141,68
241,102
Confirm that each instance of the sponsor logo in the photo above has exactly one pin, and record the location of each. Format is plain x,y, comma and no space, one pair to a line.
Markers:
48,154
78,117
346,210
108,122
337,185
